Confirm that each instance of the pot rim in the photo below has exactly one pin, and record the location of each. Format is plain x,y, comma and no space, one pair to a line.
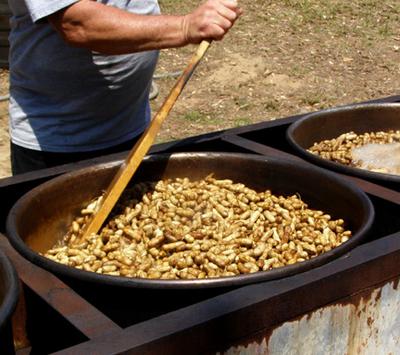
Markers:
227,281
331,165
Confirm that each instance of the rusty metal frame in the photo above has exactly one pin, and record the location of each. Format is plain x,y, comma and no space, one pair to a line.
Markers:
224,320
235,317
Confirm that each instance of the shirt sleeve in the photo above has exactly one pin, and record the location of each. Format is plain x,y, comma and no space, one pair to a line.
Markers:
39,9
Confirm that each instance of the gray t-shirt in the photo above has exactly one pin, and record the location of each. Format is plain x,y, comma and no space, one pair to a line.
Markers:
66,99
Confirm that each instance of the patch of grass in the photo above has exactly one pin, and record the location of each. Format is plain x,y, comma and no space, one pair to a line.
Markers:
299,70
312,11
195,116
198,117
313,99
242,121
385,30
358,18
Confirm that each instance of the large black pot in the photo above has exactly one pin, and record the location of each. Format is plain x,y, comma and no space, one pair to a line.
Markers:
8,300
40,218
332,123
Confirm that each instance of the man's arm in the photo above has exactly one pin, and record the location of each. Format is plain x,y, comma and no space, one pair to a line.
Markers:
109,30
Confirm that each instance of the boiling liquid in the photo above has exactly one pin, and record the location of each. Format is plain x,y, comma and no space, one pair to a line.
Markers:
383,158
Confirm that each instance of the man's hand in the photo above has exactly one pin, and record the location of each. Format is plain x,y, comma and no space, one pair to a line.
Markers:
210,21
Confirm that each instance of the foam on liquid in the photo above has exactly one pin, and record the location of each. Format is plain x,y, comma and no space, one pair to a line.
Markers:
384,158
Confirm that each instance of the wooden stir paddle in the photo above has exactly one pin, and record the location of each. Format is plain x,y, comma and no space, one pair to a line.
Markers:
140,149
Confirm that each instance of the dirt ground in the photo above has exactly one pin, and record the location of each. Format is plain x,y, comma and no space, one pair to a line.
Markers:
281,58
4,141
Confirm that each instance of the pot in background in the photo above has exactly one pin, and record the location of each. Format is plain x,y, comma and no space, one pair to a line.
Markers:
331,123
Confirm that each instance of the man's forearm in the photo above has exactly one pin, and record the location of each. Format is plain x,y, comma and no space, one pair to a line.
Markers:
109,30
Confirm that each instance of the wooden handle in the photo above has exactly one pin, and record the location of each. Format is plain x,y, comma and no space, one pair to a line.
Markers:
140,149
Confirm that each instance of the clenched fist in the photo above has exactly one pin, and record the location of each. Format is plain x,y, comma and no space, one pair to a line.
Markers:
210,21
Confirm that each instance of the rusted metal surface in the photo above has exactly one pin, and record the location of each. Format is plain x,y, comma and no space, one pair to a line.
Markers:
59,296
19,319
365,323
8,300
